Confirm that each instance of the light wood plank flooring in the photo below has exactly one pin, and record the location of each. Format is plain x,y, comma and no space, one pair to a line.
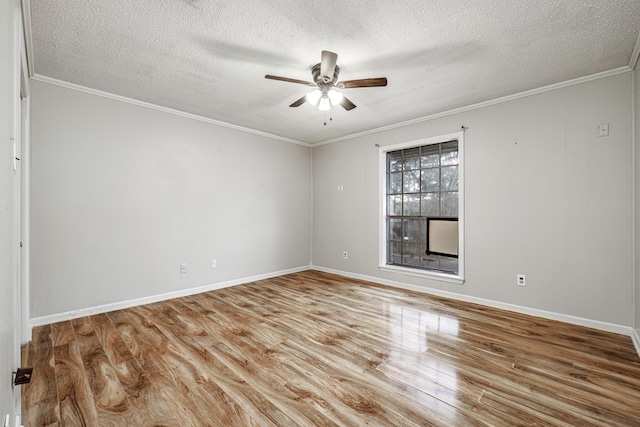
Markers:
312,348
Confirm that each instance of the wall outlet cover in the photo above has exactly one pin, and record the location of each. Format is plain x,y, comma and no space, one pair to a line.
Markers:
603,129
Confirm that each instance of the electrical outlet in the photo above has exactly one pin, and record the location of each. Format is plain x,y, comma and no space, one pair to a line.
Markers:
345,255
214,263
183,268
603,129
520,280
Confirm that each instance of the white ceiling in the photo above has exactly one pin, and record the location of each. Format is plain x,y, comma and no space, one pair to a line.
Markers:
209,58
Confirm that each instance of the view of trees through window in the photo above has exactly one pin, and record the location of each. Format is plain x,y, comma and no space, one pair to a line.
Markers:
421,182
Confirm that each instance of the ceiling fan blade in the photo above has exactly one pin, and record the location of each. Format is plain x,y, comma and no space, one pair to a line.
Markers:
346,104
287,79
299,102
376,82
328,65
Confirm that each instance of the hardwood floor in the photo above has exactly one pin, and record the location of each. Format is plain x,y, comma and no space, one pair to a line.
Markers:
317,349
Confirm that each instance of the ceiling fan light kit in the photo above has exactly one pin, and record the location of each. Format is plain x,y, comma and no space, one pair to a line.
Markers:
325,80
335,97
314,96
324,104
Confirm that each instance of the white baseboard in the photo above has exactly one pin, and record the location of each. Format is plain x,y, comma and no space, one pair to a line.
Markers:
574,320
635,337
73,314
603,326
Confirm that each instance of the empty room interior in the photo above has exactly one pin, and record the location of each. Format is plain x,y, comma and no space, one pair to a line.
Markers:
236,213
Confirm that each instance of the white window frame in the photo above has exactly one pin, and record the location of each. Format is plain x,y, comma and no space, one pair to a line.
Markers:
382,238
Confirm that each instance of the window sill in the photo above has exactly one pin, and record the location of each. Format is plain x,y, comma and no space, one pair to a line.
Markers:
449,278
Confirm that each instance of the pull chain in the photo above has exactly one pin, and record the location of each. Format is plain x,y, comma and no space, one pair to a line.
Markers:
330,117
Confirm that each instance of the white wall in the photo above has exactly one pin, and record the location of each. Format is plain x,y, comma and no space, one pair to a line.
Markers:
8,312
544,197
122,195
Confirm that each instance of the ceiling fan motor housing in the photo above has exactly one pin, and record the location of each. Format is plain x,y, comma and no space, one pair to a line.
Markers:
317,78
325,79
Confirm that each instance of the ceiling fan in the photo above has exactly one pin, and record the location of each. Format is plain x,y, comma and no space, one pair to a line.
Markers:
325,80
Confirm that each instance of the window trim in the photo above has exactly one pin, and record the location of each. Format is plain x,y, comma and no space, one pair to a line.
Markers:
382,195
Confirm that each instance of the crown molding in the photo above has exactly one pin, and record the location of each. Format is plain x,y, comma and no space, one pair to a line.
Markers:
79,88
27,35
634,55
560,85
483,104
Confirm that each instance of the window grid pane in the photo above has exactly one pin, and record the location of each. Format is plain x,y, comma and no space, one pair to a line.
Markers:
421,182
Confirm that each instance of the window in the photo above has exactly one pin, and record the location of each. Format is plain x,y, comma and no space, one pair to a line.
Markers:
422,188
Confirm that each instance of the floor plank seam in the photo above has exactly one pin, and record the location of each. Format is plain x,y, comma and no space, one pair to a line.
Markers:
313,348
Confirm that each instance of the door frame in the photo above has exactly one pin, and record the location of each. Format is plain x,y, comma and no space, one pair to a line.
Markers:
25,181
21,190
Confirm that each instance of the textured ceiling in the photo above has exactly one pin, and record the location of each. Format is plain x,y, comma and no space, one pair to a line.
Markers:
209,58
